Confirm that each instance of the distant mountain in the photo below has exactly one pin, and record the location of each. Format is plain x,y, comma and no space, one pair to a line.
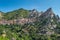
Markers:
47,20
25,24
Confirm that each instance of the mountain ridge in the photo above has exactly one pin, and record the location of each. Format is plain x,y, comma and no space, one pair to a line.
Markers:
30,25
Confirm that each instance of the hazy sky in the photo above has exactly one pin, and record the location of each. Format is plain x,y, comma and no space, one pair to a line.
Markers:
41,5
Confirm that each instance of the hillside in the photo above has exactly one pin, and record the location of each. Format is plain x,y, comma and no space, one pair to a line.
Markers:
25,24
20,13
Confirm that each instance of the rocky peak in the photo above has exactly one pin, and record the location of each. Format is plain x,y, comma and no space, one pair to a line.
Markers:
49,11
34,10
33,13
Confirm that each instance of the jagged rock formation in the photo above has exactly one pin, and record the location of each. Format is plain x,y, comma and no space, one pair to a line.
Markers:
33,13
48,22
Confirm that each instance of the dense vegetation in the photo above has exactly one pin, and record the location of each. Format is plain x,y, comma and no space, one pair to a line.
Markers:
24,32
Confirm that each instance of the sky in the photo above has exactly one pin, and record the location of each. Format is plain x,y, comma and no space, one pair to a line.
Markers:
40,5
